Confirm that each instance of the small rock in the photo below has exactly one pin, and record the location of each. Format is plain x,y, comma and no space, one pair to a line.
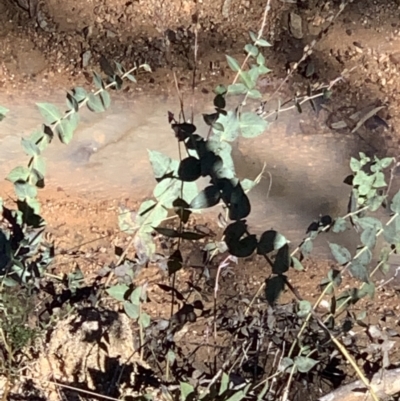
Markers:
296,25
110,34
314,30
382,58
375,122
325,304
31,62
43,24
395,58
87,32
86,56
226,8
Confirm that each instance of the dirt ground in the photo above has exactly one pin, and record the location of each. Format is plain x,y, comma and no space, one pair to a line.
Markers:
45,45
90,243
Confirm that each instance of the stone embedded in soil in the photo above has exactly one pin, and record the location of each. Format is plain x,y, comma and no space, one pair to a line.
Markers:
296,25
30,62
395,58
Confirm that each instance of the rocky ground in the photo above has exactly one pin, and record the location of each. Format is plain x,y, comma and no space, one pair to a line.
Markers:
54,44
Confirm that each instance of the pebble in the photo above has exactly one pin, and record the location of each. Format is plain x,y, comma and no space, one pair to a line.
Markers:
296,25
395,58
86,56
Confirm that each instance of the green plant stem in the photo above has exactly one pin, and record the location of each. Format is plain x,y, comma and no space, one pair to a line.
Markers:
354,365
111,274
308,51
336,342
141,334
259,36
75,389
344,352
7,346
84,101
289,382
260,288
329,286
6,389
376,267
305,100
54,276
326,228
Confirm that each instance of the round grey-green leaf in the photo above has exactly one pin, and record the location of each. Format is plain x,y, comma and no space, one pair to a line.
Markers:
105,99
304,308
94,103
208,197
395,205
260,59
340,253
65,131
220,90
243,248
118,291
297,264
230,123
254,94
340,225
233,64
189,169
131,310
144,320
30,148
270,240
282,261
72,104
304,364
3,112
368,221
79,93
136,295
247,184
97,81
160,162
263,43
252,125
355,165
391,235
386,162
186,390
285,364
274,287
24,190
251,50
49,112
237,89
368,237
366,289
359,271
19,173
131,78
306,247
239,205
